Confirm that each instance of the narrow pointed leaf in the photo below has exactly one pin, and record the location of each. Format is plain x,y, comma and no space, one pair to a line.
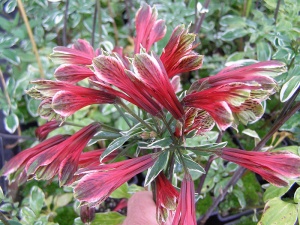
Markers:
158,166
117,143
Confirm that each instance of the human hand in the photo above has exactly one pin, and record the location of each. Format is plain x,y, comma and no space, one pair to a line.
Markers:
141,209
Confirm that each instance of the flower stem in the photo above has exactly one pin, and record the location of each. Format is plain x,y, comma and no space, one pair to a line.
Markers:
169,129
4,89
64,36
29,31
124,106
123,115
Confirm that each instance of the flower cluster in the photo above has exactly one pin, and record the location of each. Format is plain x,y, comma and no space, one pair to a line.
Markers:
147,82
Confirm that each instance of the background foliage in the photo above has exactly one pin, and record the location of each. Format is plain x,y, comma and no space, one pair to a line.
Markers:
231,30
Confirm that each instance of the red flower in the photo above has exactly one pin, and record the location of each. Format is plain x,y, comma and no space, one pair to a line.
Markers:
166,198
197,120
111,70
235,94
42,131
150,70
92,158
14,169
61,159
100,181
185,212
72,73
81,53
148,29
274,167
67,98
178,56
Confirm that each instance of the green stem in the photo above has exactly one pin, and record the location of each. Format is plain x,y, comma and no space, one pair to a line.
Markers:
171,166
124,106
182,162
123,115
104,127
5,90
158,130
169,129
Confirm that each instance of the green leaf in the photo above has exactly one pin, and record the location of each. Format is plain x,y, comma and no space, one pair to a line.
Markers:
7,42
240,196
63,200
158,166
27,215
293,149
236,56
32,107
103,135
133,188
263,51
232,21
109,218
11,123
10,6
192,165
297,196
1,194
115,144
121,192
274,192
10,56
162,143
278,212
11,222
36,199
231,34
6,207
289,88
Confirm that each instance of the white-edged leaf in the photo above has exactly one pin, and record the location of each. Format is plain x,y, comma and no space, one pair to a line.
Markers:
103,135
162,143
289,88
11,123
115,144
192,165
36,199
158,166
1,194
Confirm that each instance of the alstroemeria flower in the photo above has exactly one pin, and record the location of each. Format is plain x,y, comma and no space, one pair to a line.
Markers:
61,159
14,169
91,158
166,198
198,120
237,91
111,70
178,56
148,29
274,167
72,73
42,131
67,98
81,53
100,181
150,70
185,212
